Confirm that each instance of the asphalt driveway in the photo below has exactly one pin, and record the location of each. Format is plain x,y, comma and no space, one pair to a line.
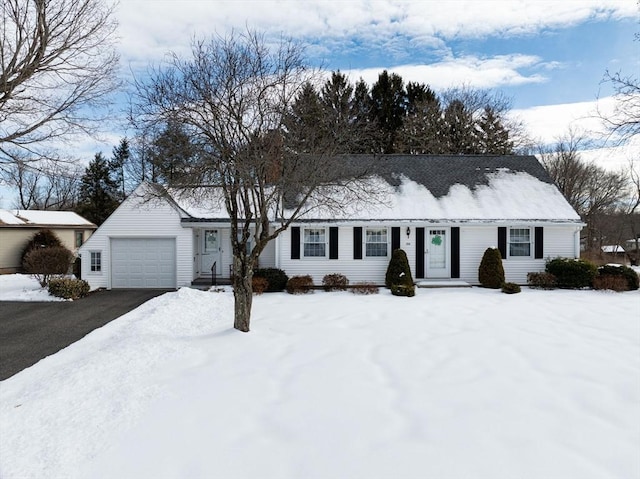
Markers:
32,331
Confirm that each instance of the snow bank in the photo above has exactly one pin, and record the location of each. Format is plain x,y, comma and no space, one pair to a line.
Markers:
450,383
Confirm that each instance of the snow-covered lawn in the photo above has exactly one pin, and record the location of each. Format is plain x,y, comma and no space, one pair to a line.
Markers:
453,383
23,287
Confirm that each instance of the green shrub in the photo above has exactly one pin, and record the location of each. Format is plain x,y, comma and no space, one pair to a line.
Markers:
43,263
364,288
68,288
542,280
408,290
42,239
276,278
398,277
491,271
510,288
335,282
572,273
614,282
627,273
259,285
398,271
300,284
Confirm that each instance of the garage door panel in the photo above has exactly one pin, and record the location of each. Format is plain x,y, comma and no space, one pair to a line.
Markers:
143,263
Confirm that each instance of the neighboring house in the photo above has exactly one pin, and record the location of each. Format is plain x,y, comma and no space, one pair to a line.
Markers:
17,227
613,252
444,211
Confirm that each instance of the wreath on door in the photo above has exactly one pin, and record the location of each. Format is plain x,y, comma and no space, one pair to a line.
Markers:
436,240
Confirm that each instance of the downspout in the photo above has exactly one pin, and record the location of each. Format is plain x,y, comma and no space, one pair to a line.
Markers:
576,243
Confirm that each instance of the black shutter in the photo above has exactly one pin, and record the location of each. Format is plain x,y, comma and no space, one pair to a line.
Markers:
455,252
295,242
502,241
539,242
357,242
395,238
333,242
419,252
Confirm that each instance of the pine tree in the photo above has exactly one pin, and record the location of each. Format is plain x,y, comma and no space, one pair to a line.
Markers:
172,153
493,137
459,129
119,158
388,100
98,191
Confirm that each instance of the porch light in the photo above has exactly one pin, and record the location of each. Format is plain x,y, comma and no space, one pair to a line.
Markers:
408,231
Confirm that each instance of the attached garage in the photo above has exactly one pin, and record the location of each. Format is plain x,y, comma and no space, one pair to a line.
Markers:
143,262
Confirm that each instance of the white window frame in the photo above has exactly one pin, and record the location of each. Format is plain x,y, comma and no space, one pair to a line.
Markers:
367,243
95,262
510,242
306,234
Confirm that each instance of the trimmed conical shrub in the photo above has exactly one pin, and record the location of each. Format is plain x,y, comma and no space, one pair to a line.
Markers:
398,277
491,272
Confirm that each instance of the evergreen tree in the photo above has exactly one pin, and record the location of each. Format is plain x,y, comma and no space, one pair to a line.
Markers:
172,152
388,106
98,191
306,123
422,129
493,137
119,158
459,129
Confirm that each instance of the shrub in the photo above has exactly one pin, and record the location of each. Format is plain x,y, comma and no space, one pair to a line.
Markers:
541,280
510,288
335,282
398,277
627,273
408,290
491,271
68,288
42,239
276,278
614,282
259,284
364,288
300,284
398,271
46,262
572,273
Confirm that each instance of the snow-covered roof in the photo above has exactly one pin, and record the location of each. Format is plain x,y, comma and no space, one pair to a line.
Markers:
43,218
614,248
428,188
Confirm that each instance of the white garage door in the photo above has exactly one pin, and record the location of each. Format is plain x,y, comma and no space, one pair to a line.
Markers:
143,263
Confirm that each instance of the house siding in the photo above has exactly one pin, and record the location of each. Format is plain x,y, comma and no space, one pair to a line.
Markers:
474,240
356,270
13,240
136,219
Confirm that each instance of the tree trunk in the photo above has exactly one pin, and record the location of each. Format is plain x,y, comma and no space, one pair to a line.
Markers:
243,293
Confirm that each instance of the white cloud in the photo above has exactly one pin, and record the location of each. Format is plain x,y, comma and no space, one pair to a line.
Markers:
498,71
549,122
150,28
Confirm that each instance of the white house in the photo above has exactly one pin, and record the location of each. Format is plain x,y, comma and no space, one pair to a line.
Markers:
444,211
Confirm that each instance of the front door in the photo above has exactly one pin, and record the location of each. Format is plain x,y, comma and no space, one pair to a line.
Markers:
436,251
210,251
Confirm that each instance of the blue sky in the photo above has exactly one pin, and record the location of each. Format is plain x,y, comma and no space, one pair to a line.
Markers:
549,56
540,53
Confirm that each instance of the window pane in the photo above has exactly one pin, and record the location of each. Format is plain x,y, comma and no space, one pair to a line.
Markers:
314,242
96,261
376,242
519,242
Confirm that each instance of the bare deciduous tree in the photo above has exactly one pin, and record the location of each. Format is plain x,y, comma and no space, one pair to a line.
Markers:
590,189
43,186
233,96
58,63
624,121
